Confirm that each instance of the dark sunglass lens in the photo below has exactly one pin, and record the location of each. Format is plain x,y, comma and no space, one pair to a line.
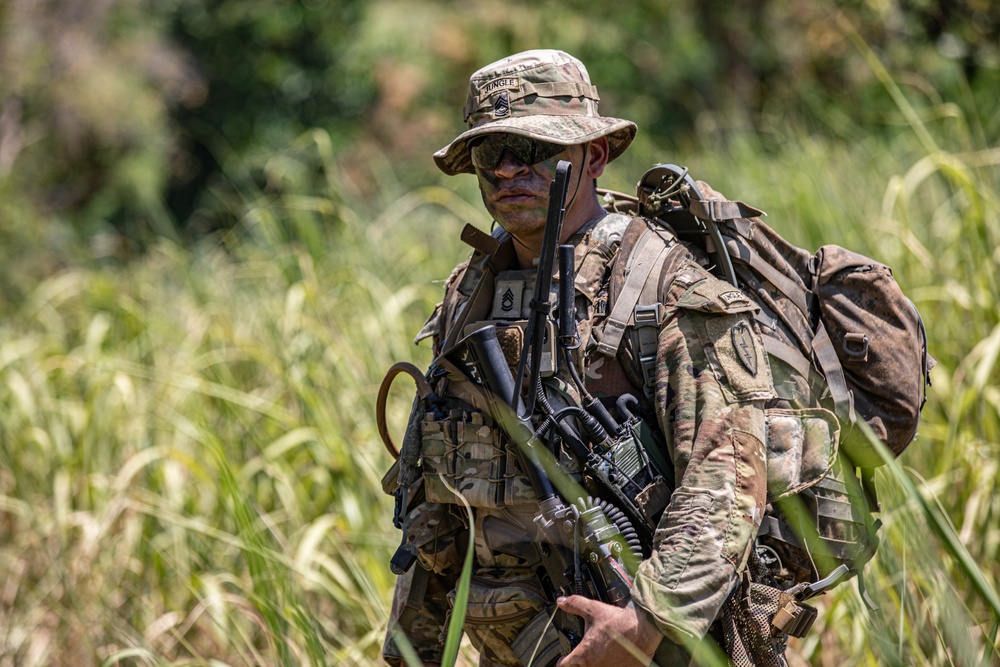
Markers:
486,152
544,150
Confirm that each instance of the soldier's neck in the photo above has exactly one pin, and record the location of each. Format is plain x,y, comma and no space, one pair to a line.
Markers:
580,220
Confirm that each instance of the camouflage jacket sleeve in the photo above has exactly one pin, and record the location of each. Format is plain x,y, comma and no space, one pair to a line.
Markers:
711,384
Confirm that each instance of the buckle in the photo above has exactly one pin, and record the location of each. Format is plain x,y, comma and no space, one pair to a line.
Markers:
648,364
794,618
402,496
713,214
647,316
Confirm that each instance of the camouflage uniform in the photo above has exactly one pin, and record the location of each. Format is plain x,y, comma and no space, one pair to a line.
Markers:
712,379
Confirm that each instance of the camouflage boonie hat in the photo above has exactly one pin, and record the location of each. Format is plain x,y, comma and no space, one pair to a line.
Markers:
541,94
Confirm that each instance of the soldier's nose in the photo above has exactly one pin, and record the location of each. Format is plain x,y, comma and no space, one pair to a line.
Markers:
510,165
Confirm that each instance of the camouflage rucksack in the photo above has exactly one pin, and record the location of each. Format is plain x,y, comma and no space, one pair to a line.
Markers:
843,341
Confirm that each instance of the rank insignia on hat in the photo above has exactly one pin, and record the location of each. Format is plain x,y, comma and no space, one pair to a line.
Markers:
501,104
745,348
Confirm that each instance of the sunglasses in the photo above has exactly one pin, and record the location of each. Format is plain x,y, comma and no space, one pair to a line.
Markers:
487,151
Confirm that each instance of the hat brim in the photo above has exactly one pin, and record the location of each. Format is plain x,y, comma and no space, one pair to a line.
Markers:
563,130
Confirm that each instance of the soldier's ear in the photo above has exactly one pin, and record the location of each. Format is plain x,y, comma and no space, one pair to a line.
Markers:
597,157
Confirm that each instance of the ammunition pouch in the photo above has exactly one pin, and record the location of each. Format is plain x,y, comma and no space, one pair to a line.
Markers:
801,448
466,454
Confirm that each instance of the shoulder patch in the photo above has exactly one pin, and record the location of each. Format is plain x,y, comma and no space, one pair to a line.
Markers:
736,353
743,344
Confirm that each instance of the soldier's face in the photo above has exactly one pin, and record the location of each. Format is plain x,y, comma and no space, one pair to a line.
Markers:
517,194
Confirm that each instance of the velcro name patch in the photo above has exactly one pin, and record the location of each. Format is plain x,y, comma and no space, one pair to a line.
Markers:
734,296
501,83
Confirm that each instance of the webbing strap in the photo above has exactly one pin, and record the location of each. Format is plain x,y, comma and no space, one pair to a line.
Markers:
828,360
788,354
720,210
785,285
641,263
557,89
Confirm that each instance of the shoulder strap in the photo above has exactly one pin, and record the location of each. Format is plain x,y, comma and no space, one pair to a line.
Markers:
649,253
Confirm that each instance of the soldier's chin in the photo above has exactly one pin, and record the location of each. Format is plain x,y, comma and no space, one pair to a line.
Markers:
521,228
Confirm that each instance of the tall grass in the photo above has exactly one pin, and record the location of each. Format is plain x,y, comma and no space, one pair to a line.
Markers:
190,470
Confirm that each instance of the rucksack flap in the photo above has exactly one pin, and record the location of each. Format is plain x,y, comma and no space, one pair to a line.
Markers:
881,343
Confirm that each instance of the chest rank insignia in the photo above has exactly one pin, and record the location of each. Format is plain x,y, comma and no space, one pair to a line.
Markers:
507,301
508,298
744,345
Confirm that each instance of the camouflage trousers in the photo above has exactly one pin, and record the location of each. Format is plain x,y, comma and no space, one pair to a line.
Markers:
504,593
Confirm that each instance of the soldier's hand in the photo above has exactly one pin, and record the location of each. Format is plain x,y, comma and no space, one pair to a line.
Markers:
619,636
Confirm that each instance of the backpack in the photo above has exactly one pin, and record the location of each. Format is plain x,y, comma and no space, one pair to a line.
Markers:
843,341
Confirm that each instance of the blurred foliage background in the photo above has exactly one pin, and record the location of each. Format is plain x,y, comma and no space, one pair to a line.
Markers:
220,224
146,119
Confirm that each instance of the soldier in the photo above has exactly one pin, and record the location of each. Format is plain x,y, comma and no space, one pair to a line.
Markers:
705,397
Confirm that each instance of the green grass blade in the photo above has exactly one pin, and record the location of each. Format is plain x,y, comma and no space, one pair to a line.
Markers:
456,623
936,521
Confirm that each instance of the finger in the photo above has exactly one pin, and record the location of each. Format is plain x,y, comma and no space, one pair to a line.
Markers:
577,605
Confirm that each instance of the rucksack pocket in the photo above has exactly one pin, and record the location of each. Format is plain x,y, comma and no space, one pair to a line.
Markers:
801,448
